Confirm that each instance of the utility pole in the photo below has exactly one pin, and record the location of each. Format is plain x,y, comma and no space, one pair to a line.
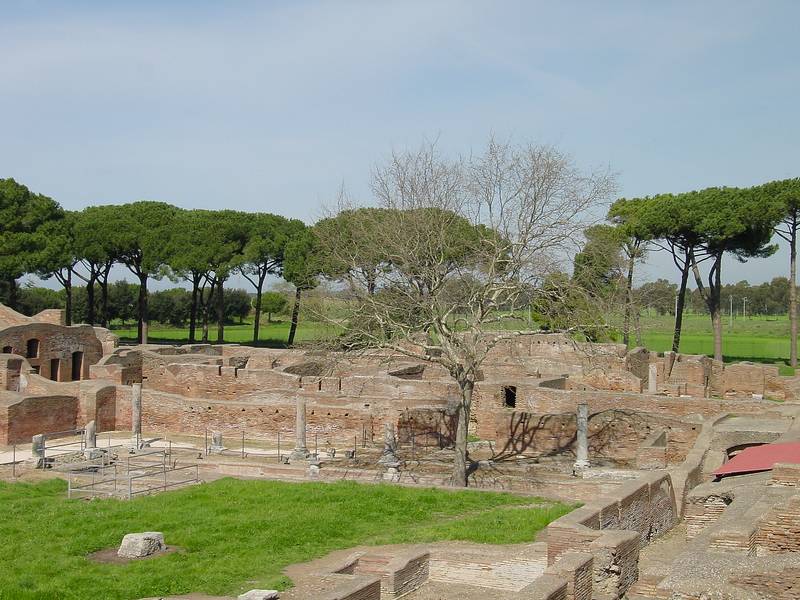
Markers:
730,318
744,308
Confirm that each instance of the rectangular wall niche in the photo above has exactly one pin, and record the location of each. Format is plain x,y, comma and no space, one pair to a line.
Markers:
510,396
55,367
77,366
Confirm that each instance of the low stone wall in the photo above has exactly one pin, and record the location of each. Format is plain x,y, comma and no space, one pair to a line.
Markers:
577,569
779,530
358,588
22,417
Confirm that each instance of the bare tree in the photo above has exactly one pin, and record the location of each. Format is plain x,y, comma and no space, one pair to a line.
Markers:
465,245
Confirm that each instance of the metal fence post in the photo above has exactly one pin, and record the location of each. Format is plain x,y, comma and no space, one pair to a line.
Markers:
242,443
279,445
14,461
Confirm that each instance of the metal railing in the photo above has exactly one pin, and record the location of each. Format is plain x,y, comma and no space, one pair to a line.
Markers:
167,484
119,479
92,488
285,444
62,434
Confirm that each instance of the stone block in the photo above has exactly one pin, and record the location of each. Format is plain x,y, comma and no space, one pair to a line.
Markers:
259,595
139,545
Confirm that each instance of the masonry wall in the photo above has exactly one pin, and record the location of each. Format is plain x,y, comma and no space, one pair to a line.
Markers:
335,424
57,348
614,435
22,417
10,367
779,530
542,400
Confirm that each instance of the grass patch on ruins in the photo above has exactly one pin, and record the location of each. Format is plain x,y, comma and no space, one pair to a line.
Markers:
237,535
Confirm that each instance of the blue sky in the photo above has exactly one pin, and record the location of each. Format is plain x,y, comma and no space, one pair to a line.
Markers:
272,106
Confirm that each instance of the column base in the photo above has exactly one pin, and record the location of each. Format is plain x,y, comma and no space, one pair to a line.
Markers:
388,459
579,466
299,454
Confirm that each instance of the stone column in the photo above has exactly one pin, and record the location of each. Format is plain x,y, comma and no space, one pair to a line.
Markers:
37,450
216,442
652,379
136,416
389,456
91,451
582,445
91,435
300,451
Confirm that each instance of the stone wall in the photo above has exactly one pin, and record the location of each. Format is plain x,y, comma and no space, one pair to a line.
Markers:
614,435
10,367
779,530
614,527
22,417
54,351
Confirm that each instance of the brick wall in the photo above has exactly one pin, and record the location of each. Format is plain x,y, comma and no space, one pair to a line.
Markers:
703,510
22,417
577,569
778,585
779,530
58,348
10,367
615,435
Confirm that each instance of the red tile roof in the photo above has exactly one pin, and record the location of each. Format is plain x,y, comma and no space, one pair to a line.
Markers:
760,458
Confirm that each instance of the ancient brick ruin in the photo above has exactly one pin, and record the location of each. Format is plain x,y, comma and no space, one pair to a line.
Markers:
658,425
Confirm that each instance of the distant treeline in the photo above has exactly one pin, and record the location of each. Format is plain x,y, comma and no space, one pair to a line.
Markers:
168,307
765,299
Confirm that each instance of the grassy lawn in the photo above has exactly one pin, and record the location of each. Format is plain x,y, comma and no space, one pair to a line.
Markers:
758,339
236,535
270,334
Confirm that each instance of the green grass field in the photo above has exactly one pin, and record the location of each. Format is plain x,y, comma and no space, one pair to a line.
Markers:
270,334
235,535
758,339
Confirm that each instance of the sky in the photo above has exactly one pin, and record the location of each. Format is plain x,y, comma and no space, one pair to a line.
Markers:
272,106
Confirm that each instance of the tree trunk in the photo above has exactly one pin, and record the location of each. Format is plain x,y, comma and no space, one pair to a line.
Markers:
143,324
68,293
90,312
12,293
193,309
220,312
207,309
104,297
711,295
676,336
626,327
257,316
638,328
716,308
793,293
462,434
295,314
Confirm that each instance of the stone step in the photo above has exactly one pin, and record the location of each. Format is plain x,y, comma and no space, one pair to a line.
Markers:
507,575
